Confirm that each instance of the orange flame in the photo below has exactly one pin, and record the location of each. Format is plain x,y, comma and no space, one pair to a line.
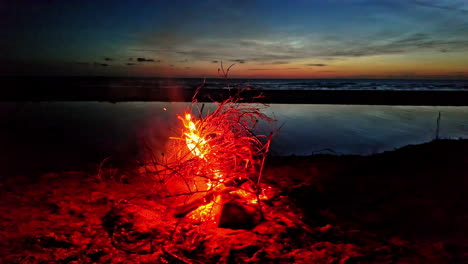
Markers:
195,143
200,147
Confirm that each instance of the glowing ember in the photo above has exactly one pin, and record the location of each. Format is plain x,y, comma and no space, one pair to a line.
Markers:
208,211
250,197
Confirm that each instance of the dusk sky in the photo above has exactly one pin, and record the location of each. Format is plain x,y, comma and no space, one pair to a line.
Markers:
266,39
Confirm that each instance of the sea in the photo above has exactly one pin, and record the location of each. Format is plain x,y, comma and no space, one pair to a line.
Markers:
281,84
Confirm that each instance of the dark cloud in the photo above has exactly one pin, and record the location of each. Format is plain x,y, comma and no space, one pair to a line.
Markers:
82,63
151,50
147,60
239,61
101,64
280,62
316,64
131,64
458,7
144,60
107,59
411,39
209,50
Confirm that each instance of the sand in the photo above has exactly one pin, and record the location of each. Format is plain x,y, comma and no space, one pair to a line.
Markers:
404,206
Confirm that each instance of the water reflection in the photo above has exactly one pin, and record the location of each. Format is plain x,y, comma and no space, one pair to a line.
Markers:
362,130
64,132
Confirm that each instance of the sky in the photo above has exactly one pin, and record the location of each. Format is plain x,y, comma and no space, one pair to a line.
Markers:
264,39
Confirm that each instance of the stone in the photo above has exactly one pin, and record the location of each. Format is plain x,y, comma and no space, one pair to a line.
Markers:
236,215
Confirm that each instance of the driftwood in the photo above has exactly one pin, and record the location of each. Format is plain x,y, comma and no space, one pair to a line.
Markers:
183,210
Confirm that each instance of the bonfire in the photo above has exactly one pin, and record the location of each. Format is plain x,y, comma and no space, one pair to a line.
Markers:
216,161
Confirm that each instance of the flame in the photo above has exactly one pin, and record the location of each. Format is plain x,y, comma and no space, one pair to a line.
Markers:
195,142
200,147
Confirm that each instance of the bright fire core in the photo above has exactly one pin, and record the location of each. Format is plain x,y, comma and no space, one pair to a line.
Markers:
212,167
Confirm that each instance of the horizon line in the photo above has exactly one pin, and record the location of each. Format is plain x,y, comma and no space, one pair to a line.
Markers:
429,78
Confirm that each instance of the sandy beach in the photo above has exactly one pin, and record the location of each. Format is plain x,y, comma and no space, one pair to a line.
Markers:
403,206
203,132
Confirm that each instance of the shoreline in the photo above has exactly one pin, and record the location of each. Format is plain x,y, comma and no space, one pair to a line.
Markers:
107,91
342,97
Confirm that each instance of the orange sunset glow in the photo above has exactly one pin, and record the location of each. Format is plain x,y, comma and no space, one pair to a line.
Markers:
311,39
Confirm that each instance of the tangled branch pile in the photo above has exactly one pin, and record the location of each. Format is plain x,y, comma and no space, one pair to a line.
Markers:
216,154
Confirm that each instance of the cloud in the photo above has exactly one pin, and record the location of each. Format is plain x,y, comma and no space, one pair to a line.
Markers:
401,28
239,61
259,69
280,62
206,49
144,60
316,64
101,64
403,44
107,59
147,60
131,64
460,6
270,52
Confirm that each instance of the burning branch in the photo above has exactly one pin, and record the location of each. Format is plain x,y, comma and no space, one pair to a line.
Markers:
217,157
